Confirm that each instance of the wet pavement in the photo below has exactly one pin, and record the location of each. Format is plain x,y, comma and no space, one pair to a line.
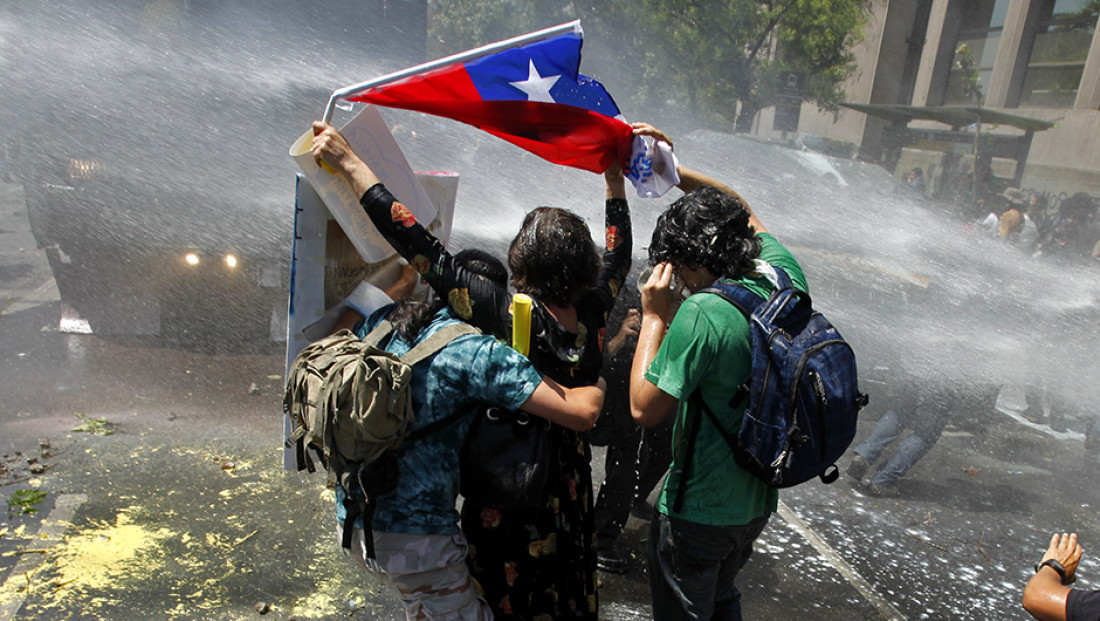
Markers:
184,511
171,502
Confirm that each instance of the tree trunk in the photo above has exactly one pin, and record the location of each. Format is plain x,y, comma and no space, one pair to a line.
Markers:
743,124
742,83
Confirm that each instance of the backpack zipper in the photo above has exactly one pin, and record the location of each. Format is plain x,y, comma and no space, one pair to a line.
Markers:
819,398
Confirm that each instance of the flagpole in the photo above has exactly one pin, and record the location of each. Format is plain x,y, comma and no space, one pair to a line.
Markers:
348,91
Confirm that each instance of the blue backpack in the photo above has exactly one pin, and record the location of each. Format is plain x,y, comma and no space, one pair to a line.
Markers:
803,396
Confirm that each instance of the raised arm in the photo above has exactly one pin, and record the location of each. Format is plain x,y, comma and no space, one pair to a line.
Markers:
475,299
649,405
691,179
619,238
618,247
616,182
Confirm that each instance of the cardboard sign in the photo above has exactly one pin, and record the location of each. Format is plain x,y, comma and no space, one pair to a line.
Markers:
336,246
372,141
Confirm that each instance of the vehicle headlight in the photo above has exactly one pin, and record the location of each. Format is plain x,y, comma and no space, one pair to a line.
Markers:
231,261
191,258
83,169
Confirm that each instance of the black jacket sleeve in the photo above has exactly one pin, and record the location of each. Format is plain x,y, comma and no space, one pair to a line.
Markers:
476,300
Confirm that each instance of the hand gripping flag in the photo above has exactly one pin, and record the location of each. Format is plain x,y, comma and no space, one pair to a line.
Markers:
528,91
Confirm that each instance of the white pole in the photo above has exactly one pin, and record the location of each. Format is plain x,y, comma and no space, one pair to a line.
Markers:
348,91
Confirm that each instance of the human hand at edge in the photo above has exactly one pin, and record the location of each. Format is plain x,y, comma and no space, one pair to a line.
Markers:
631,323
645,129
629,327
405,284
332,149
657,293
1065,549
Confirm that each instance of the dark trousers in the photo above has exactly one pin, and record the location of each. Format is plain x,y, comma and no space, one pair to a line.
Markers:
636,461
692,568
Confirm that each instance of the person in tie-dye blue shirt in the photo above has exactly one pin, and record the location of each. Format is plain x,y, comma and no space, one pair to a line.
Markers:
419,548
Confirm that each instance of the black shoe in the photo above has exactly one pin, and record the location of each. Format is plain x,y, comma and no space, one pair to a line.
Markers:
857,468
613,560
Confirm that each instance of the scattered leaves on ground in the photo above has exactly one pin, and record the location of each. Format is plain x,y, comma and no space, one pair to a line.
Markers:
97,426
23,501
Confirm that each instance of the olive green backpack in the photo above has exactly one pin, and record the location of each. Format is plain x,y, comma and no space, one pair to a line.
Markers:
350,404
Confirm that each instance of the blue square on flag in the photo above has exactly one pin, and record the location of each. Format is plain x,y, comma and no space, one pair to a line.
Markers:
545,71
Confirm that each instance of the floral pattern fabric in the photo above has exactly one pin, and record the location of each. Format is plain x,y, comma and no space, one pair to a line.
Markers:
540,562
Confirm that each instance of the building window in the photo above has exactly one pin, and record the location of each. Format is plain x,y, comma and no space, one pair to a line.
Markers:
981,24
1057,60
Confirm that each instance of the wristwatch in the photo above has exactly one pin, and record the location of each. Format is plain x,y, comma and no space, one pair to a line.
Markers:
1056,566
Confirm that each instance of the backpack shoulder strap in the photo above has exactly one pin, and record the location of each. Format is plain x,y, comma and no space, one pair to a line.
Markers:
730,439
432,344
442,338
785,281
746,301
692,431
437,341
379,333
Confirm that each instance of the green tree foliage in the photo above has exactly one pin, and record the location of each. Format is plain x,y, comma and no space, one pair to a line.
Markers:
965,84
1085,17
458,25
816,41
701,56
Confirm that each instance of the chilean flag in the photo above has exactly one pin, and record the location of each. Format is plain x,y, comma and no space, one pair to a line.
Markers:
531,95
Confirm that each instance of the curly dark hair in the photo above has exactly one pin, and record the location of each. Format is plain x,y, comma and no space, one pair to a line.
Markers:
413,314
553,257
706,228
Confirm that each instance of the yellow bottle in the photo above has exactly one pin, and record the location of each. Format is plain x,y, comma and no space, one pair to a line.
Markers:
521,323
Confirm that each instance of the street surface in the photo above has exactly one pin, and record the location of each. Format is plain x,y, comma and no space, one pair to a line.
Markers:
171,502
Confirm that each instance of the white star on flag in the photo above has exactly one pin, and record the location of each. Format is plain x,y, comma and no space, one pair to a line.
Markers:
536,86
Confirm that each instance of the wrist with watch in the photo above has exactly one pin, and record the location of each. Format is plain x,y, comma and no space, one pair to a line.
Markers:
1058,567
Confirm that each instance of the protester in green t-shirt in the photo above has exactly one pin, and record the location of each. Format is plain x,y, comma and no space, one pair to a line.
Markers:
701,351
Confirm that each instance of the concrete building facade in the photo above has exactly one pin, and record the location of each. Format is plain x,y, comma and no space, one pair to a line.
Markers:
1038,59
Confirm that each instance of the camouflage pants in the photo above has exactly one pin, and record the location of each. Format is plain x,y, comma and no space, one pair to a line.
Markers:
428,571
